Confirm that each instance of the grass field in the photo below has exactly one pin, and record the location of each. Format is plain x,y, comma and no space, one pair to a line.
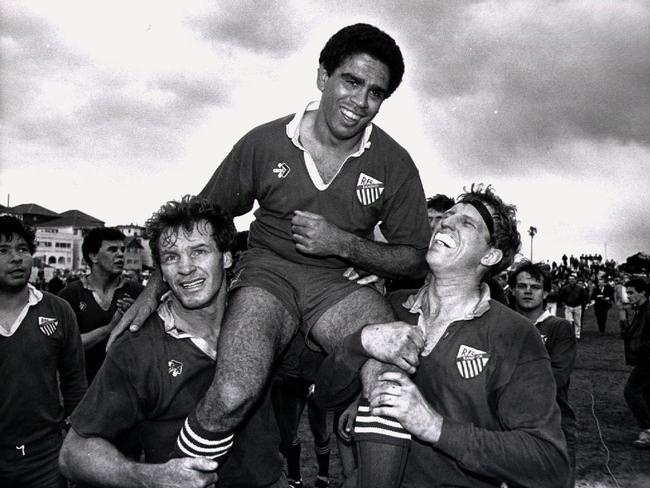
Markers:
606,428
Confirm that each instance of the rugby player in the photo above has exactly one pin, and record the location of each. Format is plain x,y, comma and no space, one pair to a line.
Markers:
152,380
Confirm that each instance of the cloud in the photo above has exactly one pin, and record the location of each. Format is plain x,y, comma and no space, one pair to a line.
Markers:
506,78
261,27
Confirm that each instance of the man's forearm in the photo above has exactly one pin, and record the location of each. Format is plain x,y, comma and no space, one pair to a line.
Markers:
386,260
96,461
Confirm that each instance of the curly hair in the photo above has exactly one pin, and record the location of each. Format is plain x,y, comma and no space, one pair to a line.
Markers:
185,215
10,225
505,236
364,39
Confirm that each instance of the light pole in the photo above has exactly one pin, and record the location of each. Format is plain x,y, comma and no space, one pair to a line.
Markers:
531,232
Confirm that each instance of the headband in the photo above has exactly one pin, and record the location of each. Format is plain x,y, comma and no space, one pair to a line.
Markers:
481,209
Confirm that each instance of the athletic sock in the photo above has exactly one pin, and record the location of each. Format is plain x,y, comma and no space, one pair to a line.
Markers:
323,458
195,441
382,446
293,460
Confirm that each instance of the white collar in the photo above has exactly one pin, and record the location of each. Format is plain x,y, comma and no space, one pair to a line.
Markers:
33,297
167,315
546,314
293,129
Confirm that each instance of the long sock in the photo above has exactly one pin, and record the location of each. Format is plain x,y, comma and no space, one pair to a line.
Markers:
195,441
293,461
323,458
382,446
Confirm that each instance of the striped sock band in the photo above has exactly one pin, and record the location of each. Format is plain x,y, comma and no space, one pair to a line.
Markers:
195,441
373,428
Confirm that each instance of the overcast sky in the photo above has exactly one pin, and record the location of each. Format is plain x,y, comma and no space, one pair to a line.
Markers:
114,107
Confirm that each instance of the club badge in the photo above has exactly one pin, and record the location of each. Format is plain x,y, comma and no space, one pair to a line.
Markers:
175,367
368,189
282,170
470,361
47,325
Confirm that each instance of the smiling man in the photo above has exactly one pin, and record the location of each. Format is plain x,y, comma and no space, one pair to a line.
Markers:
153,379
477,391
323,178
41,360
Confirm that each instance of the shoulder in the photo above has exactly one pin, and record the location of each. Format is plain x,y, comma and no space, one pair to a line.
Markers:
55,303
143,344
71,289
275,127
387,143
509,324
558,323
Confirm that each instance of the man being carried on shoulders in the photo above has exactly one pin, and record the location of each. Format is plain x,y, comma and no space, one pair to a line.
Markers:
323,179
152,380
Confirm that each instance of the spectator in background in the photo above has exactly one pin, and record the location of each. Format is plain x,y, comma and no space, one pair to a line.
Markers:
55,285
622,303
100,298
573,296
602,296
530,285
436,206
637,353
41,360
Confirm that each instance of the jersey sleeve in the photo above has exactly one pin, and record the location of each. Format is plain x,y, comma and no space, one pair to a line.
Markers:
72,371
232,185
563,353
530,450
404,217
111,405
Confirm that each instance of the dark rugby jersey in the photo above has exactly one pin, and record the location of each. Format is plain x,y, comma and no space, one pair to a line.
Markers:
150,381
378,183
45,344
91,316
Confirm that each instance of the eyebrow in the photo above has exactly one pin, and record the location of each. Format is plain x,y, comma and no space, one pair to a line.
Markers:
363,81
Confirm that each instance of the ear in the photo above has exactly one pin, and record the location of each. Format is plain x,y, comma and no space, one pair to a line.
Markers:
93,257
321,78
227,260
492,257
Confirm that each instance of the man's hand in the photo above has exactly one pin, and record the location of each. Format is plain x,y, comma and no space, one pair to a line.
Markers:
183,473
137,312
125,302
346,421
363,278
395,343
397,396
315,235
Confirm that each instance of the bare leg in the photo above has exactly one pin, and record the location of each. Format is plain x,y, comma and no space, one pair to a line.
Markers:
256,328
382,457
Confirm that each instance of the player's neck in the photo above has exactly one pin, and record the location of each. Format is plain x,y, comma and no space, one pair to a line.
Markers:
11,303
102,281
202,322
533,314
315,128
454,293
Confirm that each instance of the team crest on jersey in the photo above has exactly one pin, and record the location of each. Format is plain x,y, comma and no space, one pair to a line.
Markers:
82,305
368,189
175,367
282,170
47,325
544,338
470,361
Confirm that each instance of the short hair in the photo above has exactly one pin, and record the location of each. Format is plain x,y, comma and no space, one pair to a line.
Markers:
505,236
534,270
10,225
184,215
93,240
440,202
638,284
364,39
